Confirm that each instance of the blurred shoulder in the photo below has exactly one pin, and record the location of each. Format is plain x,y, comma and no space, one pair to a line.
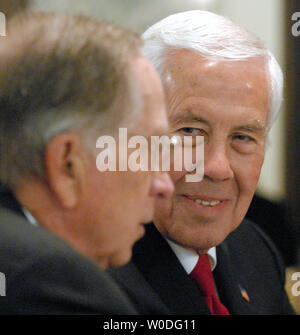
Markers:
44,274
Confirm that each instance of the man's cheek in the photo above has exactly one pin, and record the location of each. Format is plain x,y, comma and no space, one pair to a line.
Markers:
163,207
253,178
176,176
247,175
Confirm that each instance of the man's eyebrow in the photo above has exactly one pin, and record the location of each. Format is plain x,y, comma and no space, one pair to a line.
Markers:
187,116
256,126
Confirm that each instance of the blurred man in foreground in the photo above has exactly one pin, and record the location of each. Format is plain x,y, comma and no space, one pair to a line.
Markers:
222,84
65,81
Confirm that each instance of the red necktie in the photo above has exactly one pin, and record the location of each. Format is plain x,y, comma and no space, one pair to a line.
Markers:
202,275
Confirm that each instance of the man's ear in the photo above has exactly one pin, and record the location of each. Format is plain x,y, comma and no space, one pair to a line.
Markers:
65,168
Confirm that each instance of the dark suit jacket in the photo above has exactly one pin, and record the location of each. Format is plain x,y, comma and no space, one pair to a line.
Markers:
246,260
44,275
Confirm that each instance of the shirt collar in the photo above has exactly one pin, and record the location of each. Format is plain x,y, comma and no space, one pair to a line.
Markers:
189,257
29,217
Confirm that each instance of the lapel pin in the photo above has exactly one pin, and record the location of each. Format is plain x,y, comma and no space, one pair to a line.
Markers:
244,294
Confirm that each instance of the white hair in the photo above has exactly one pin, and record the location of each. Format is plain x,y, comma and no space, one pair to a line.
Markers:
214,37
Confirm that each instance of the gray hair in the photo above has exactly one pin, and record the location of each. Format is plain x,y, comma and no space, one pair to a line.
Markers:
214,37
60,73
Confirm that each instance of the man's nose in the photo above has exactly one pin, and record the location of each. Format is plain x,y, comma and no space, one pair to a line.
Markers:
217,164
162,186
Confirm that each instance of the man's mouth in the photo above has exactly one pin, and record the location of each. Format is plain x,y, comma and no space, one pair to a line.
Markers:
205,201
208,203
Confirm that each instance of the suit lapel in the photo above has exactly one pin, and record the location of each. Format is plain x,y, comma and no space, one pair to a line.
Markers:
232,288
155,259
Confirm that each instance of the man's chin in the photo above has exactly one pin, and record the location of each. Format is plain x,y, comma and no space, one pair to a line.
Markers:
199,241
120,259
141,231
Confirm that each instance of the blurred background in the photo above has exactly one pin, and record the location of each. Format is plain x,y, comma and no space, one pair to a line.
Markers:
276,205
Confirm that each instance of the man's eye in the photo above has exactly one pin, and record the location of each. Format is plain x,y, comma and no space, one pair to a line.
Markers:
243,138
191,131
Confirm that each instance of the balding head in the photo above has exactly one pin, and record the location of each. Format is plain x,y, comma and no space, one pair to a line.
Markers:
59,73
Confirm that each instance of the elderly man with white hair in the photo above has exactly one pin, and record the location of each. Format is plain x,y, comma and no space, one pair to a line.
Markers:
200,256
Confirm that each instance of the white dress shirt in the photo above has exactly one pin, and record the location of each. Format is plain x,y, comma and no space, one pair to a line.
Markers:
189,257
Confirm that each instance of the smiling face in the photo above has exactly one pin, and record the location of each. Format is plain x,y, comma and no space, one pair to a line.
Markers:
227,103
